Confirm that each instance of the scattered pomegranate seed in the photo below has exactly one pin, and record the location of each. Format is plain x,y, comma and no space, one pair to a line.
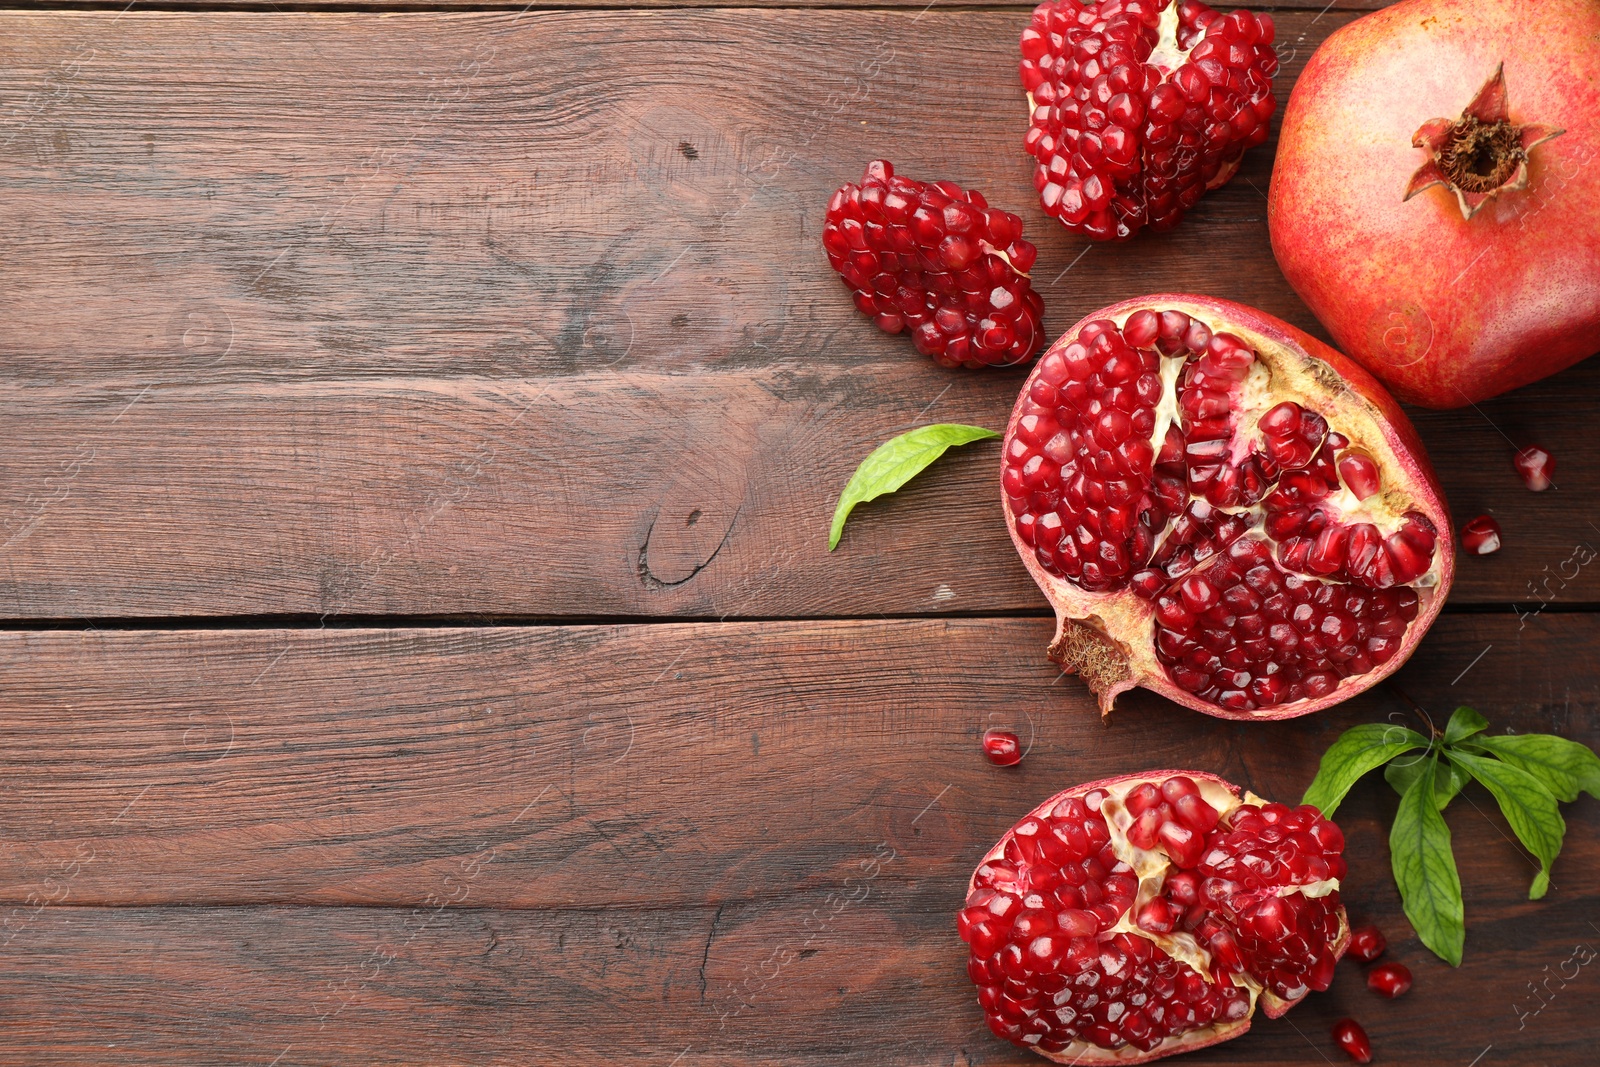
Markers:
1389,979
1136,114
1537,467
1003,748
1367,944
938,261
1481,536
1348,1035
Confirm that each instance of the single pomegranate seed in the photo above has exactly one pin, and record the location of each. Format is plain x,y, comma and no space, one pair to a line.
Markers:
1360,475
1367,943
1480,536
938,262
1003,748
1389,979
1134,118
1348,1035
1537,467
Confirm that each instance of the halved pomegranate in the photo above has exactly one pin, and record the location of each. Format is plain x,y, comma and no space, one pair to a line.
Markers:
1147,915
1223,510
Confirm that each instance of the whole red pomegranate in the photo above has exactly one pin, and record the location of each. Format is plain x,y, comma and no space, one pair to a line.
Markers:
1436,197
1223,510
1147,915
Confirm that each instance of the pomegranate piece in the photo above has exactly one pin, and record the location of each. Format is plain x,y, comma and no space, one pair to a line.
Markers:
937,261
1003,748
1480,536
1389,979
1536,466
1222,510
1348,1035
1134,918
1138,107
1367,943
1457,136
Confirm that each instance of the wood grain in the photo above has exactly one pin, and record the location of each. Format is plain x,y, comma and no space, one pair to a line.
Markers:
630,766
347,316
598,844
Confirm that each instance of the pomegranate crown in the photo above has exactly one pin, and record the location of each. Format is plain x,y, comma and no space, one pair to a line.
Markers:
1481,154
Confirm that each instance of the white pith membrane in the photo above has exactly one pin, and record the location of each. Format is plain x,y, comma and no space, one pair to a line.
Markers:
1151,867
1279,373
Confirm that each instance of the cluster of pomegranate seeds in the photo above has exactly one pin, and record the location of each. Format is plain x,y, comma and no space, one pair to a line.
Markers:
1226,893
1536,466
1003,747
1133,465
1367,943
1480,536
1389,979
1052,965
1140,106
1348,1035
938,261
1246,635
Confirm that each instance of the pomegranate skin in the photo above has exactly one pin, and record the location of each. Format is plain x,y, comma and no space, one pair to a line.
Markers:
1445,310
1119,615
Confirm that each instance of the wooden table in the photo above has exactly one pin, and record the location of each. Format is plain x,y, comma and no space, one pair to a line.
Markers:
421,430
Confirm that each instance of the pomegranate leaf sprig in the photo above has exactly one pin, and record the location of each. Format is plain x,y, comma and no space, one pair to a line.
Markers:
897,461
1526,773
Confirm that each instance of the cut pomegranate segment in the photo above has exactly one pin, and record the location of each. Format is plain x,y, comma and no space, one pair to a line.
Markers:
1223,510
936,260
1138,917
1480,536
1003,748
1536,466
1138,107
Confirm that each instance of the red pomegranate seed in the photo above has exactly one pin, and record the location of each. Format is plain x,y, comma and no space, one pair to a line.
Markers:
1367,943
1389,979
1537,467
1360,474
1480,536
1003,748
1135,113
1348,1035
937,261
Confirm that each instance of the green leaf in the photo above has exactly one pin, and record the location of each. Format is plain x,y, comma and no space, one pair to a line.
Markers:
1529,807
1425,869
1358,750
1447,782
895,462
1463,724
1565,767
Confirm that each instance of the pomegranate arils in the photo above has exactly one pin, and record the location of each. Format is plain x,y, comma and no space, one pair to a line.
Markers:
1389,979
937,261
1003,748
1150,458
1536,466
1367,943
1480,536
1141,106
1348,1035
1056,964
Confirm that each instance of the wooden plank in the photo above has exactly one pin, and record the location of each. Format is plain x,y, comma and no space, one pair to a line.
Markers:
720,844
344,316
881,982
628,765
